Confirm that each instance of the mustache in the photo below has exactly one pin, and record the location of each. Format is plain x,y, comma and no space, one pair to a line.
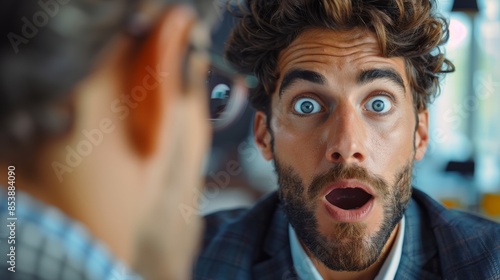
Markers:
344,172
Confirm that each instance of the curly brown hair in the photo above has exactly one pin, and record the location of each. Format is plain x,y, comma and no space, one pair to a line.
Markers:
404,28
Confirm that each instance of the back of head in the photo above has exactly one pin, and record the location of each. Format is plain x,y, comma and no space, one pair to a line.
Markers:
75,135
47,47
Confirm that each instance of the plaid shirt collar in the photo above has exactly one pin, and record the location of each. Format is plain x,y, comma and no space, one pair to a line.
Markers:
49,244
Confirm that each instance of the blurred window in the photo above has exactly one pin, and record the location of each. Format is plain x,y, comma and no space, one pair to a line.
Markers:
465,118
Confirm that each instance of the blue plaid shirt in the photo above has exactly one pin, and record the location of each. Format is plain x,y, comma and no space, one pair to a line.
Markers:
49,245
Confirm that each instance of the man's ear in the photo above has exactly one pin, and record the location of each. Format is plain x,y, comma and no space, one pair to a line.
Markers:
156,77
262,136
422,135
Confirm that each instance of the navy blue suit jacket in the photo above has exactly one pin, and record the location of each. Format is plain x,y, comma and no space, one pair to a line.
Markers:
438,244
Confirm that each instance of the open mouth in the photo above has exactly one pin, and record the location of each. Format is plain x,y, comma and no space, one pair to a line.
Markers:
348,198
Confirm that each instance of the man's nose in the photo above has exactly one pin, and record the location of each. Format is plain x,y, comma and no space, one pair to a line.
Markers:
347,137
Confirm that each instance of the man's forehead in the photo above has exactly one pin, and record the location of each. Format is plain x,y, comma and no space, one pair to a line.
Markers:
325,41
322,46
337,54
340,38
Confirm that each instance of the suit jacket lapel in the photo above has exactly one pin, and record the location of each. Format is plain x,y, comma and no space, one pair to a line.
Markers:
420,259
277,261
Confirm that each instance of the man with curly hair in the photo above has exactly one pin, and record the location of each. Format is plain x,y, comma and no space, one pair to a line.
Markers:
342,111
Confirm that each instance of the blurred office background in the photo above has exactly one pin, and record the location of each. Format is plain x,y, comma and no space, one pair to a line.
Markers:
462,165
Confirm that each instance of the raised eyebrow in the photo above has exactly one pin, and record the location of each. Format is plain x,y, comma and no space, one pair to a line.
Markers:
371,75
300,74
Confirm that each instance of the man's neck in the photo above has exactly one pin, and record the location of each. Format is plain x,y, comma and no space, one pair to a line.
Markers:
367,274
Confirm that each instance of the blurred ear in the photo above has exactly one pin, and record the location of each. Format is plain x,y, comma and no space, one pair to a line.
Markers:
262,136
156,77
422,135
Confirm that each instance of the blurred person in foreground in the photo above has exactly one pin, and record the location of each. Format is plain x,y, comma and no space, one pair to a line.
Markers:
103,127
342,101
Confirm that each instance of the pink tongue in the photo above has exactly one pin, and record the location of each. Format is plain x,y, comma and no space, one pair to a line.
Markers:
348,198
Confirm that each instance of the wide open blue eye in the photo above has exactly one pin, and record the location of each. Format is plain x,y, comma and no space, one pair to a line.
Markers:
379,104
307,106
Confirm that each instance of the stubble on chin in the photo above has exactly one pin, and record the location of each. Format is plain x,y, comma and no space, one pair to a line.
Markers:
348,246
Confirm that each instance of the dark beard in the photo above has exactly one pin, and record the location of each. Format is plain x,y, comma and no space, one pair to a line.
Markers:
349,248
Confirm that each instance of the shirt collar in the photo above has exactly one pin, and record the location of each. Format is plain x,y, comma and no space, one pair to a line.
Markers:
44,232
391,263
306,270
